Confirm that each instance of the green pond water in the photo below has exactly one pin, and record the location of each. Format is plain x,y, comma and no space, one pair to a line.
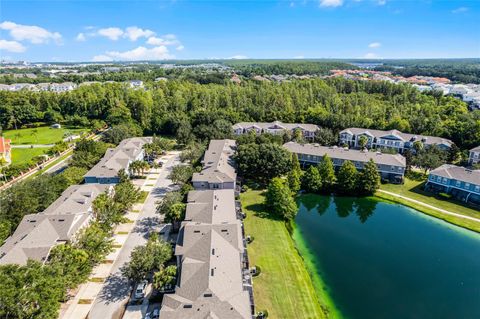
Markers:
383,260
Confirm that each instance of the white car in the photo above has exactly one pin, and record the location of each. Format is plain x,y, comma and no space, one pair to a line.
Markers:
140,290
156,313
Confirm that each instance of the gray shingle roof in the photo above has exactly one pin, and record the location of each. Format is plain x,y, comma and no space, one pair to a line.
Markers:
429,140
218,166
346,154
475,149
458,173
118,158
277,125
211,206
38,233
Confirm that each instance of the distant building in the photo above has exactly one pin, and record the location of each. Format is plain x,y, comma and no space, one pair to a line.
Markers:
115,159
460,182
392,139
277,127
37,234
5,150
218,170
135,84
474,157
391,167
62,87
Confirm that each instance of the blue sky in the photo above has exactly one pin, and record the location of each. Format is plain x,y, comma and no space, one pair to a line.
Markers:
136,30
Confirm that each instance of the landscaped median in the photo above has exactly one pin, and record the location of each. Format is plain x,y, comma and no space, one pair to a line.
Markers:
411,193
284,287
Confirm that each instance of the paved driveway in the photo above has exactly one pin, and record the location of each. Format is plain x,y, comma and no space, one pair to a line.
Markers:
115,293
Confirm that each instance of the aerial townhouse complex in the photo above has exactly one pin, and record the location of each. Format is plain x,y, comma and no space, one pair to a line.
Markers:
276,127
116,159
218,170
391,167
460,182
214,280
392,139
474,156
38,233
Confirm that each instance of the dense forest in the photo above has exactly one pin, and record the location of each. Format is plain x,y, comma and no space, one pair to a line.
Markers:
186,109
457,70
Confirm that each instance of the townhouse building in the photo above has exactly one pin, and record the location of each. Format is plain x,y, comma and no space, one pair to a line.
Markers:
474,156
116,159
460,182
37,234
218,170
392,139
390,166
277,127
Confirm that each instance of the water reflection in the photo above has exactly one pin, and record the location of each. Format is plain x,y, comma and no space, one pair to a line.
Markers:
362,207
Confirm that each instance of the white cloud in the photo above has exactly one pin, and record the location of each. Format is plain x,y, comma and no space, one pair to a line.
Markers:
112,33
102,58
374,45
381,2
12,46
238,57
299,57
140,53
371,55
180,47
331,3
80,37
133,33
460,10
32,33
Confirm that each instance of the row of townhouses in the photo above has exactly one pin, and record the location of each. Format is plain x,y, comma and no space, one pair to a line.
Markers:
115,159
213,271
52,87
37,234
276,127
460,182
390,166
392,139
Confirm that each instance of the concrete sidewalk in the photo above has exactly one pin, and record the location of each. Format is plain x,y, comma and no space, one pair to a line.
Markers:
106,292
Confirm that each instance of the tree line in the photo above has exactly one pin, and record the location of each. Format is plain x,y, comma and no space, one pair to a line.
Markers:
189,110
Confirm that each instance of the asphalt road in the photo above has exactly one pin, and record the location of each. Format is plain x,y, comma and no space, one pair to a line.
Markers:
116,291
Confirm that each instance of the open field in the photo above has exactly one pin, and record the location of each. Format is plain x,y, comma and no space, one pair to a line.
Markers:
414,190
40,135
24,155
284,288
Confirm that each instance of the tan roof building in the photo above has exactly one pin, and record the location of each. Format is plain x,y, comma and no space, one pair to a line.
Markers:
38,233
218,170
276,127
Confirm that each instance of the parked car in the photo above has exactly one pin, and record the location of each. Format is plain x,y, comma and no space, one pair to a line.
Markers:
140,290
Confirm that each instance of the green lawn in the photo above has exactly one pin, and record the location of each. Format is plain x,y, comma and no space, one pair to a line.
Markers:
284,288
24,155
414,189
143,197
40,135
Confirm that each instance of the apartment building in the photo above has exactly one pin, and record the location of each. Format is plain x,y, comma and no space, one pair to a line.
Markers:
391,167
392,139
218,170
461,182
115,159
474,156
38,233
277,127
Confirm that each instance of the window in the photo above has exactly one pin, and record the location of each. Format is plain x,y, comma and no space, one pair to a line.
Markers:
445,180
477,189
467,185
457,183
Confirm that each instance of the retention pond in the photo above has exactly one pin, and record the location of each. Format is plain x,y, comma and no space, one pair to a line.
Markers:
386,261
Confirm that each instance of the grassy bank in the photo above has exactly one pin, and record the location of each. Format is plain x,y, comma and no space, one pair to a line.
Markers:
414,190
40,135
284,287
25,155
